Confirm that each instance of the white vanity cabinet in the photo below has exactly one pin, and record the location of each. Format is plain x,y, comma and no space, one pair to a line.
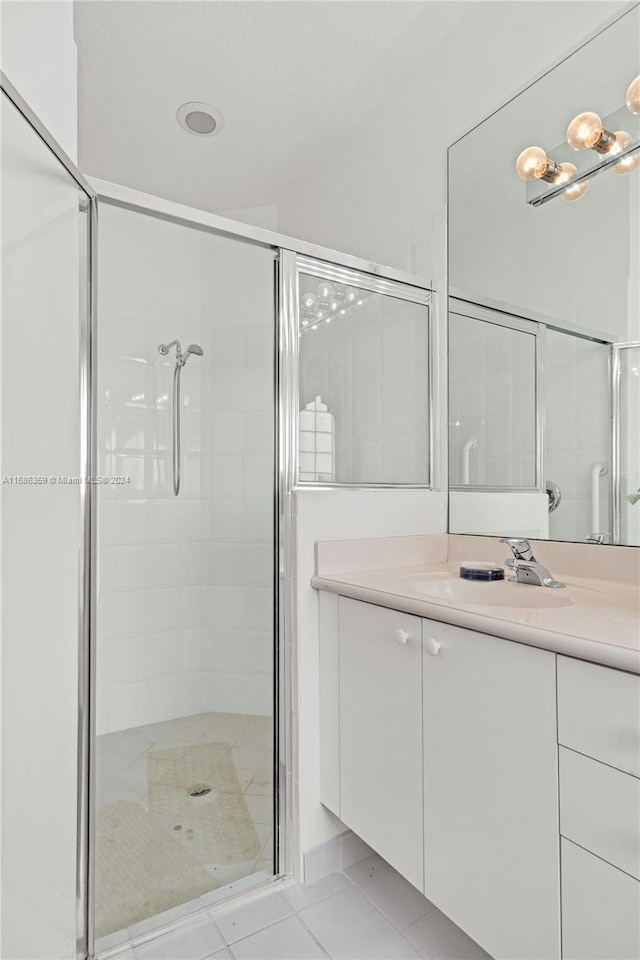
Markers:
491,790
380,701
599,754
501,779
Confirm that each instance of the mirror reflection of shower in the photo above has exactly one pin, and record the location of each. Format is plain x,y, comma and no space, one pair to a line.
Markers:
181,359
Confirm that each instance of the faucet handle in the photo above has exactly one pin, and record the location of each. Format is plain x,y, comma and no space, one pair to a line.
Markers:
520,546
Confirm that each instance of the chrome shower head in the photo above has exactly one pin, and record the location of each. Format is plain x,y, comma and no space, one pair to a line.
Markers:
192,348
181,358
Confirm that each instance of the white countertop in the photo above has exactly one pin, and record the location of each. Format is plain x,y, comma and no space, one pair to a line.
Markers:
600,621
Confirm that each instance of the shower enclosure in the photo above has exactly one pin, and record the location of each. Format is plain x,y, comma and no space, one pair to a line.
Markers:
185,578
148,529
141,552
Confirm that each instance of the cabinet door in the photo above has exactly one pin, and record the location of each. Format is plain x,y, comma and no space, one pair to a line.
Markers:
491,790
600,908
381,732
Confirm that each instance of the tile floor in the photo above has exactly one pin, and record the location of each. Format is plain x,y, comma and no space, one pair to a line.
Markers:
367,912
139,774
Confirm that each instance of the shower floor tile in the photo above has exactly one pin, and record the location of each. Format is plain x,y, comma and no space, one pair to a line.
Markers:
184,807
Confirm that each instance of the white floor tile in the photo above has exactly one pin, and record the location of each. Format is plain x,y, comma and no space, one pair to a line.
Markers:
349,927
242,921
194,941
394,896
300,897
286,940
435,937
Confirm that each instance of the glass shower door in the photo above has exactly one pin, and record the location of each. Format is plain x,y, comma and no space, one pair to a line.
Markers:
185,638
42,503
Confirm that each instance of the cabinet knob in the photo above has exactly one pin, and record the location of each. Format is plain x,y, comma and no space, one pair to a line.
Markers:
400,636
432,646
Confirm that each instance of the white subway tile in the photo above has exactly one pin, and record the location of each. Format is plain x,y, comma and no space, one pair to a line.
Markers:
259,652
129,705
227,518
258,475
225,433
222,693
223,606
226,476
258,518
130,567
224,651
257,608
129,659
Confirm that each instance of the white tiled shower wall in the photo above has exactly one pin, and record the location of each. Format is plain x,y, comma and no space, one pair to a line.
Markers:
491,400
371,368
185,595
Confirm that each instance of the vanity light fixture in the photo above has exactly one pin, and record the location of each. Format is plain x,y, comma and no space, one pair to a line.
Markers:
633,96
587,132
534,164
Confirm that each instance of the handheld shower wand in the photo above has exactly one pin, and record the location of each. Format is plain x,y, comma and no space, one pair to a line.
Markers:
181,359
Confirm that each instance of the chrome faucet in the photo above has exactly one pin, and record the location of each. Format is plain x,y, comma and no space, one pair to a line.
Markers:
526,567
598,538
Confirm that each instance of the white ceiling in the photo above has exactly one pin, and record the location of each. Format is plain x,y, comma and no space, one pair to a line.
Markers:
290,76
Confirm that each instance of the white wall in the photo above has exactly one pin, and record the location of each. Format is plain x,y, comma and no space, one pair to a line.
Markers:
185,593
39,56
380,191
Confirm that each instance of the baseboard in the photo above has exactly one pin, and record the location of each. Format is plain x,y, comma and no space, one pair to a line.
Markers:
338,853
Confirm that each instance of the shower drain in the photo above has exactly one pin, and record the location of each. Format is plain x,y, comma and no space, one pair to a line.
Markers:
199,790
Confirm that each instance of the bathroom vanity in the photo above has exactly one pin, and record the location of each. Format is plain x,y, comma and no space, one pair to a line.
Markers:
499,775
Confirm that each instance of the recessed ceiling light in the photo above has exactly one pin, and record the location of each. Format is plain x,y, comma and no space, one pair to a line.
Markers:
200,119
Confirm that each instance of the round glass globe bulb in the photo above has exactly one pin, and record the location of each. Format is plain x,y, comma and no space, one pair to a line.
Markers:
531,163
629,163
567,172
308,302
325,292
633,96
578,190
584,131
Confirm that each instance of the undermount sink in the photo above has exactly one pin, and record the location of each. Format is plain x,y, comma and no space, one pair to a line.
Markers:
499,593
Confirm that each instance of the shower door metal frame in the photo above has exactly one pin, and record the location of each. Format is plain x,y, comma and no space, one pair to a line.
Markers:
616,406
494,311
475,310
86,592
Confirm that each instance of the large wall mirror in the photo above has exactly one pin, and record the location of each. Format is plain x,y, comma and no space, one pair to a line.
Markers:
544,304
